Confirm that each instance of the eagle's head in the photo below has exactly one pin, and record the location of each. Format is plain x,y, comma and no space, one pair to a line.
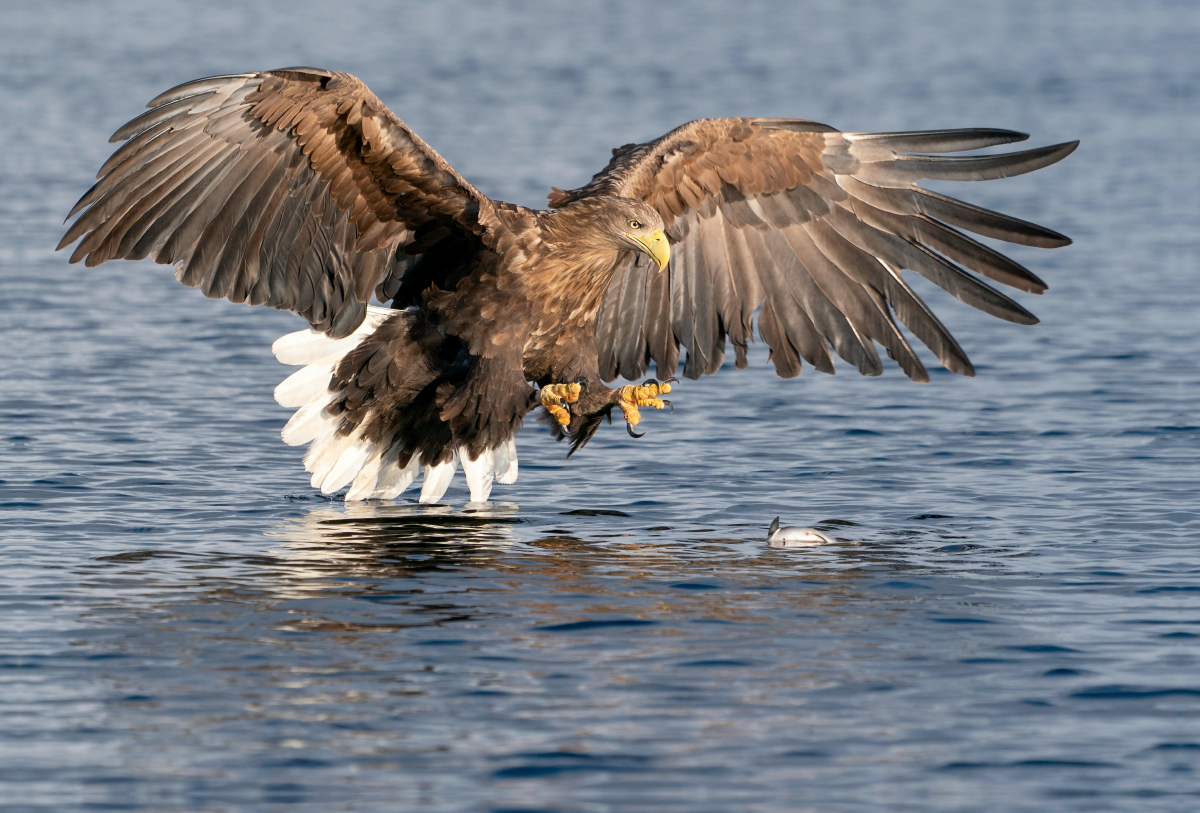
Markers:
607,223
637,225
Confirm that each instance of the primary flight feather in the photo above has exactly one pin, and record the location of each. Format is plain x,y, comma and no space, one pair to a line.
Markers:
299,189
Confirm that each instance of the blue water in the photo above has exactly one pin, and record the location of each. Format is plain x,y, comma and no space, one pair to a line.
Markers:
1009,619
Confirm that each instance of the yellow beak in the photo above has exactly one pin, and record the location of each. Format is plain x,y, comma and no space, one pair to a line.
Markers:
656,246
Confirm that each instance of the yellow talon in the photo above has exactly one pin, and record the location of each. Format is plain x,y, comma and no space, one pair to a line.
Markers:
556,393
641,395
632,416
632,396
553,397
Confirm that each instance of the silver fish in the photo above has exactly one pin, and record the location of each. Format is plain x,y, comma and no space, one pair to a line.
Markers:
795,537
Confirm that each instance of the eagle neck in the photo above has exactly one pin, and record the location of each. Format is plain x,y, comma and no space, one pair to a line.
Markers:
580,262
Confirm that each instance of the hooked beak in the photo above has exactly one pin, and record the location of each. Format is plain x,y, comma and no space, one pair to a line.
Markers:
656,246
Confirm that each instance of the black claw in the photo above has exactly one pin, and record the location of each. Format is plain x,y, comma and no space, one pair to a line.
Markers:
582,381
671,380
632,434
669,405
649,381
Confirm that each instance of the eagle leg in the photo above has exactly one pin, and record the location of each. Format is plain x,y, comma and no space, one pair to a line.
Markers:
632,396
555,396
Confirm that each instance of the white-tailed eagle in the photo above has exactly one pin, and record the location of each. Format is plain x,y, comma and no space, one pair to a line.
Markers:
298,189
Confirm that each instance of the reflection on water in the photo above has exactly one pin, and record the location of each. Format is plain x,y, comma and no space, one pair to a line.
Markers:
341,536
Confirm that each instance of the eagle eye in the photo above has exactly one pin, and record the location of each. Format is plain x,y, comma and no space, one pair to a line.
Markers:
634,224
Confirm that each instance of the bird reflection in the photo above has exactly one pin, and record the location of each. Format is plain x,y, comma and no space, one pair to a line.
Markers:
393,540
398,524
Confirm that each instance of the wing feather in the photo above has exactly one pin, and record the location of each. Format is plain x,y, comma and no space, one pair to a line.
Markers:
917,201
631,350
871,272
924,230
749,288
727,300
661,343
624,323
693,317
291,188
155,214
815,225
792,312
937,270
903,170
934,140
783,354
862,305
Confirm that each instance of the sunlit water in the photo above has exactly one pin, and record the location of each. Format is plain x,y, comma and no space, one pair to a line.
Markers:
1007,620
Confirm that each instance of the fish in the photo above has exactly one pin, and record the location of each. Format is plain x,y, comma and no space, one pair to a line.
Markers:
795,537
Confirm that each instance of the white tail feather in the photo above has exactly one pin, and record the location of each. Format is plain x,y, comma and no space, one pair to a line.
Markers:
367,477
324,454
309,423
500,459
393,479
371,472
480,473
311,347
304,386
347,466
437,480
509,475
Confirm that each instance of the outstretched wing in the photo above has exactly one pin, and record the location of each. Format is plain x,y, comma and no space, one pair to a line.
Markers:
814,225
291,188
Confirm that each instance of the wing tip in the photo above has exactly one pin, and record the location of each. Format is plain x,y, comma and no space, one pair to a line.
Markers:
1010,311
961,366
1060,151
1049,238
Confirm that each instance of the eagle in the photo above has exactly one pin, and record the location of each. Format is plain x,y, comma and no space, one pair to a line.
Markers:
298,189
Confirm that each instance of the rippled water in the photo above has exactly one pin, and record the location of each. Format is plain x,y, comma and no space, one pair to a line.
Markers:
1007,621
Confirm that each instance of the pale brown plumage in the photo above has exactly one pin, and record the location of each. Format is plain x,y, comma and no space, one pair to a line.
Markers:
298,189
814,225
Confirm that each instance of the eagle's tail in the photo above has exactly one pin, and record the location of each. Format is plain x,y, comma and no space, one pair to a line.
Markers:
337,458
